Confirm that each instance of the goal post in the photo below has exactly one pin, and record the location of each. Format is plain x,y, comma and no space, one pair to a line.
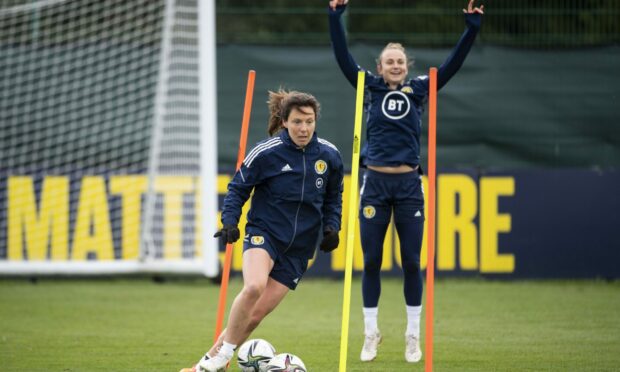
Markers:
108,142
208,134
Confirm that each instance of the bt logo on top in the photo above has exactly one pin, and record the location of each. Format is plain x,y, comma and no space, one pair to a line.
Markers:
395,105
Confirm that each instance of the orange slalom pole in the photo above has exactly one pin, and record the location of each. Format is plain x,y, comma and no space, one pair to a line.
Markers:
430,266
243,139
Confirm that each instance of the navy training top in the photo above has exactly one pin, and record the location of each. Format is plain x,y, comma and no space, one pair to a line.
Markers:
296,192
394,116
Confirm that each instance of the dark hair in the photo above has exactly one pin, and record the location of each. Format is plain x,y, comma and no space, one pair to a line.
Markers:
282,102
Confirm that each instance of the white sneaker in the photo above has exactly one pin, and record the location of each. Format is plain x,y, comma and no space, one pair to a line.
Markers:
413,354
371,343
195,368
216,364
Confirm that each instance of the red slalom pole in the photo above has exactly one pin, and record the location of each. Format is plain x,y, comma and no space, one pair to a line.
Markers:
243,139
430,266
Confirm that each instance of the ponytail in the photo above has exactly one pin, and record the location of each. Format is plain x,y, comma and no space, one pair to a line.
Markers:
275,111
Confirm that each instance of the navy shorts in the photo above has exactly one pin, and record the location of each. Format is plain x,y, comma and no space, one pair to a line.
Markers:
382,192
287,270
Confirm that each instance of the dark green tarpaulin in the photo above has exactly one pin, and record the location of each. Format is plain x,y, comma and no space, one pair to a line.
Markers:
505,108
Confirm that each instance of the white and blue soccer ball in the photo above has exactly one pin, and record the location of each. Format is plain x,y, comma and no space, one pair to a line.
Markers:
253,355
286,362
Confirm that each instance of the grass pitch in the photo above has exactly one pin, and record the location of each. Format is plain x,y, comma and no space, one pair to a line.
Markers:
138,325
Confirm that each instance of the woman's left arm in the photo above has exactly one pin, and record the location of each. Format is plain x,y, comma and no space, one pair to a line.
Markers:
473,20
332,204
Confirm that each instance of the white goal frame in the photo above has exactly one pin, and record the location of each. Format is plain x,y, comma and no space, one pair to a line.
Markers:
206,260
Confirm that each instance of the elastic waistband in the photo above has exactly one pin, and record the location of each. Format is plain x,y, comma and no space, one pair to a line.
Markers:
415,174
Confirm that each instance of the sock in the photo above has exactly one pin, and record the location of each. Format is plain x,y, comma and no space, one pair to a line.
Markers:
413,320
227,350
370,320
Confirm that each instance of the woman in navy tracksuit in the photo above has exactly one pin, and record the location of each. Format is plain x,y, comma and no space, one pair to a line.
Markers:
297,182
394,107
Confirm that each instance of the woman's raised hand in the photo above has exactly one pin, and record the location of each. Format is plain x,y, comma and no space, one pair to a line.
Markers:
470,8
334,3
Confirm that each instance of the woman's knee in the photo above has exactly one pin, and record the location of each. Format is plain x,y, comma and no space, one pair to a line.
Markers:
253,290
411,266
372,265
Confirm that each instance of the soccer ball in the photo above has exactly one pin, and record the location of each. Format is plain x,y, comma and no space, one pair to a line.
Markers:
286,362
254,355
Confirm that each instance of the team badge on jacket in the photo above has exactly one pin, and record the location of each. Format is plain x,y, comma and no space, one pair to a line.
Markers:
257,240
406,90
320,166
369,211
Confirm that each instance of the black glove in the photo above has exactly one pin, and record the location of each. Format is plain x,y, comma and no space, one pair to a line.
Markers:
228,234
330,240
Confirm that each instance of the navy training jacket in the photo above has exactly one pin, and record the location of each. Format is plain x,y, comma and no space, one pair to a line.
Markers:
394,117
296,192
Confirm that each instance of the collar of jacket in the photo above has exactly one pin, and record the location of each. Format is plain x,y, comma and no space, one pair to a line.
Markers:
286,138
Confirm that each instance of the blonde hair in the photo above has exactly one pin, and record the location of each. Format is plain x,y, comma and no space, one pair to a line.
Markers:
282,102
397,46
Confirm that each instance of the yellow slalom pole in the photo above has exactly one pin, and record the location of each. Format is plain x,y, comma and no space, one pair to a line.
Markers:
348,271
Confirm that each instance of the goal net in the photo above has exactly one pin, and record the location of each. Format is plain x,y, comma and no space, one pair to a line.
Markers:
101,106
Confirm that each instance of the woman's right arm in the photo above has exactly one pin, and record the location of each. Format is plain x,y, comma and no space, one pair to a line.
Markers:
239,190
339,44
